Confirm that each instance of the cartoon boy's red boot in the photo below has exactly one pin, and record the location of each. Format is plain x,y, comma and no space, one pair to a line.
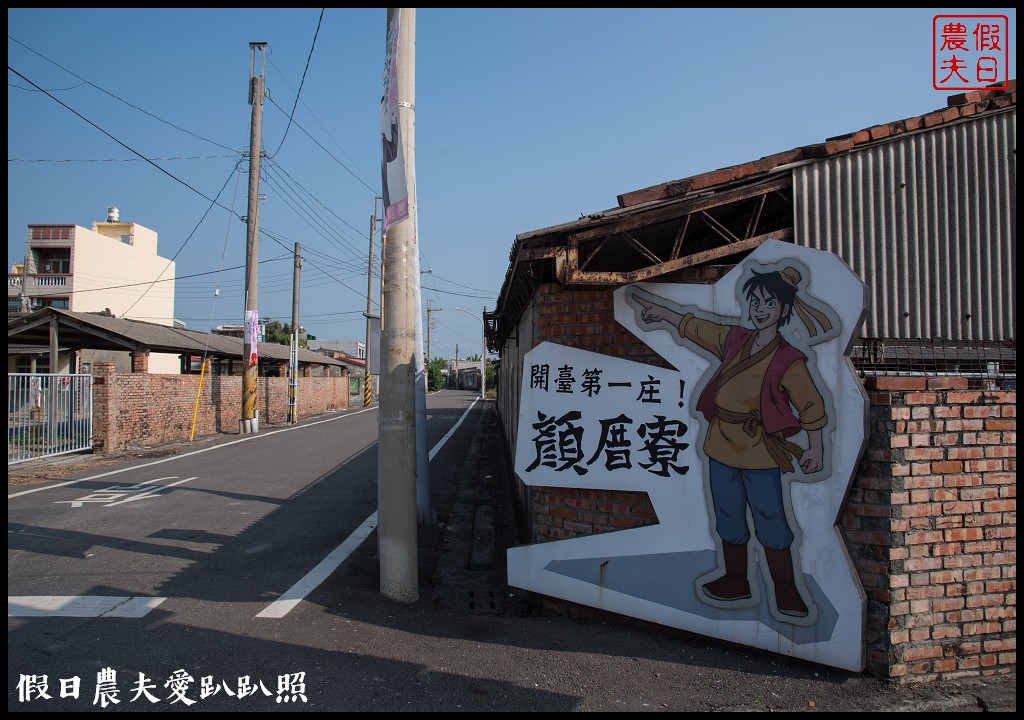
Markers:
787,596
734,584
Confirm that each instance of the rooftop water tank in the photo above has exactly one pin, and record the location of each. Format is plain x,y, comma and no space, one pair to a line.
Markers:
113,214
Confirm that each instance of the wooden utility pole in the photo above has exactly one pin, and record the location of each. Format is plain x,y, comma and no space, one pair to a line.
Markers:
249,423
396,477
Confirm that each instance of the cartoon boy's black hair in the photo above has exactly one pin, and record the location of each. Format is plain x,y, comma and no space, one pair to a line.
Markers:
775,285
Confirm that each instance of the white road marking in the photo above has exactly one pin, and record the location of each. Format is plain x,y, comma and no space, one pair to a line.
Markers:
114,492
297,592
63,606
450,432
80,606
149,493
194,452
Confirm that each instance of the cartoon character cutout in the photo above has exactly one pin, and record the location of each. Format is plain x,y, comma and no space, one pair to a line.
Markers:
757,396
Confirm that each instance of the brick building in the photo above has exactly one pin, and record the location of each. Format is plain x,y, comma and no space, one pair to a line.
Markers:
923,211
140,407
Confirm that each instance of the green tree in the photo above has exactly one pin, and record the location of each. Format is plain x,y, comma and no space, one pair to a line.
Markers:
274,331
435,374
492,379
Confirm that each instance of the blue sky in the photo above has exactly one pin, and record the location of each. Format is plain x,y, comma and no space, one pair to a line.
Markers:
525,118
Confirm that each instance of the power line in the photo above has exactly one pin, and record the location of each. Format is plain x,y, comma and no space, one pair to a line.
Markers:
190,236
360,233
297,94
126,147
273,237
19,87
98,160
180,277
105,92
467,287
304,211
329,153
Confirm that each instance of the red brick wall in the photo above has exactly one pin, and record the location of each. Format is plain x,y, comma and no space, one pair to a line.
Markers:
141,409
930,521
931,524
560,513
585,319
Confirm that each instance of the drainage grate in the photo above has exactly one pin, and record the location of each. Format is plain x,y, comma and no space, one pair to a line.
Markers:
484,601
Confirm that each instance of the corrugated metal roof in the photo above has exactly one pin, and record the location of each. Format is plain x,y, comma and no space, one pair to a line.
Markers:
925,221
984,203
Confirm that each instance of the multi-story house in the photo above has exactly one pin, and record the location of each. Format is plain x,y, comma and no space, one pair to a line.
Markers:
351,348
107,268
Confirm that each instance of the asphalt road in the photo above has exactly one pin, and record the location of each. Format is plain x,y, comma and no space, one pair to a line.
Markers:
187,558
226,534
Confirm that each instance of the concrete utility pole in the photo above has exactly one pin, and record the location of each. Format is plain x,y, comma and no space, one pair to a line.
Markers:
249,423
368,379
293,355
396,478
430,359
483,355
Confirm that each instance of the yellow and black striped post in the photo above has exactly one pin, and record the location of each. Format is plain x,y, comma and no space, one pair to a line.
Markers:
367,390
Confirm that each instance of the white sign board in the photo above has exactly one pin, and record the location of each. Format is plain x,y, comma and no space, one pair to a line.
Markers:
746,448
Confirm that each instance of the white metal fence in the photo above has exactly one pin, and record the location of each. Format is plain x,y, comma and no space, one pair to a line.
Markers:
47,414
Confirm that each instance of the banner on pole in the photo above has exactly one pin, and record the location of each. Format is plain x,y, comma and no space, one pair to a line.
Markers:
251,340
394,186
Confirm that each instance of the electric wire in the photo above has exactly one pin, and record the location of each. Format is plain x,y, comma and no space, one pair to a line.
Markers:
191,234
329,153
126,147
106,92
299,93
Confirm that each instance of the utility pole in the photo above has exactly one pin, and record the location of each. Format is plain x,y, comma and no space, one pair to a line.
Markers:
249,423
396,477
483,356
368,384
429,321
293,355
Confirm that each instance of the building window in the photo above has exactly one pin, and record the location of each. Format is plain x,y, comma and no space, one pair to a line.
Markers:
54,302
54,262
191,364
25,364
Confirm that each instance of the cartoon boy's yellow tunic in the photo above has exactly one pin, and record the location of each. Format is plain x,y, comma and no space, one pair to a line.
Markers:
736,434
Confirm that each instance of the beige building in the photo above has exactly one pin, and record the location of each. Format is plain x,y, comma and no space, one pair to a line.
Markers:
106,268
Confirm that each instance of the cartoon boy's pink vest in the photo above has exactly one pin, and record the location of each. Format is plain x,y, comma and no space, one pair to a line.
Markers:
776,413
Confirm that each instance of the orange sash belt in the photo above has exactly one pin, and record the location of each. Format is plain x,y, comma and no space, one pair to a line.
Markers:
780,449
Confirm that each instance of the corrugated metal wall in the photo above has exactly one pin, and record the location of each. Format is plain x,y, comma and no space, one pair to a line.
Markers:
929,221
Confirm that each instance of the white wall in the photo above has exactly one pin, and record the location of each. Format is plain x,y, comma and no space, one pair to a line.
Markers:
100,264
101,261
